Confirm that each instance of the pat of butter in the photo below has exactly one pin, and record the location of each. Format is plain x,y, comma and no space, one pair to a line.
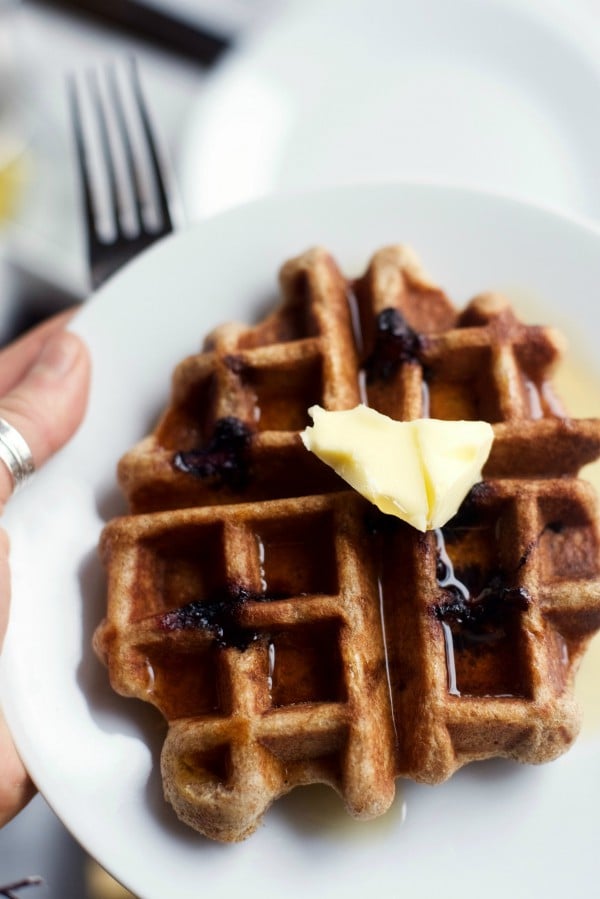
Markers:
419,471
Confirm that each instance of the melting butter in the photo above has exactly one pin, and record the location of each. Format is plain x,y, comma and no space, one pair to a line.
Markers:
419,471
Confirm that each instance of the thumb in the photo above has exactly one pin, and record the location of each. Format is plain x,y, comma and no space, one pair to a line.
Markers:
48,403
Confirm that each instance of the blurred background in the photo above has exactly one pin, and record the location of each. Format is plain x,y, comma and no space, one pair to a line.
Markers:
249,97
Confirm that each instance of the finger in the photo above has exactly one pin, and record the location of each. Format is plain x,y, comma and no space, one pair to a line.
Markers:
16,788
48,404
19,356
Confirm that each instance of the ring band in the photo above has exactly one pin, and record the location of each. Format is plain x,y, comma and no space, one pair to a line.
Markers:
15,454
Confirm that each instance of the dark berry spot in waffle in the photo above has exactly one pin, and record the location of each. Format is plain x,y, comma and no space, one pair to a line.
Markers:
395,343
219,615
225,459
482,618
480,612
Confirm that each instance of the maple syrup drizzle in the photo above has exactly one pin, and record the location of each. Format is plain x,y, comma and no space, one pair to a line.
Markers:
355,320
542,400
425,399
386,656
261,562
449,580
482,624
271,666
536,410
551,401
450,661
151,676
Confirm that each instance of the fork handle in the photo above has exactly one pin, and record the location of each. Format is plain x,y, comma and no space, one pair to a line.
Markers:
139,20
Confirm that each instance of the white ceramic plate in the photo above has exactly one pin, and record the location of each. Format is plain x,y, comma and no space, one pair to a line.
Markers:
496,828
497,94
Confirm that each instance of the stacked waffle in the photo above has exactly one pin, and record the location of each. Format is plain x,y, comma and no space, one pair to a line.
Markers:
289,632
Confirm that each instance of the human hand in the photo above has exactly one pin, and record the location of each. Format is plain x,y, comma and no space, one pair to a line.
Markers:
44,381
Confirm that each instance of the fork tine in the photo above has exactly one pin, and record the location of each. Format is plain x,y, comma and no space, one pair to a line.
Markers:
82,156
156,165
107,153
123,128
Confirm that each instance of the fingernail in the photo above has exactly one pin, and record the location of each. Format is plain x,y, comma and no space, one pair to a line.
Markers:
59,354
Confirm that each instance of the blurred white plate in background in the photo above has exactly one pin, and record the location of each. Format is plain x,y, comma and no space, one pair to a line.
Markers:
501,94
496,829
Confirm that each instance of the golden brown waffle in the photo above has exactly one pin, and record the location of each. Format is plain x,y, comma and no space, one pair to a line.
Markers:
288,631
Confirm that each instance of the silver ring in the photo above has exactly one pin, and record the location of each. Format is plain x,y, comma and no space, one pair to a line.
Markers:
15,454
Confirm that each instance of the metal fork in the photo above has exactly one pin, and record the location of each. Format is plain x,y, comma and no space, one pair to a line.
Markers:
127,203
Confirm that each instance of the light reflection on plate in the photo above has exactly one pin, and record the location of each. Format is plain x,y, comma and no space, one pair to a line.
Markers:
494,826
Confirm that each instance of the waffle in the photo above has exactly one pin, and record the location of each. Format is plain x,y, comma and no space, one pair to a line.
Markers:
288,631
